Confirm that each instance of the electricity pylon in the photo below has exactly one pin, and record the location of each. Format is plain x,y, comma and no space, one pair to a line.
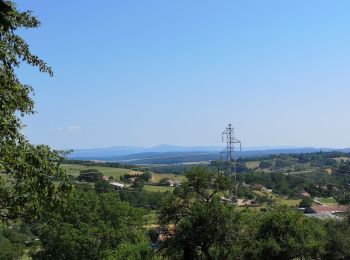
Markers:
231,141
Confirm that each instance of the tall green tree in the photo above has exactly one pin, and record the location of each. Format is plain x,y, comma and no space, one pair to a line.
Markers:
338,239
26,171
195,223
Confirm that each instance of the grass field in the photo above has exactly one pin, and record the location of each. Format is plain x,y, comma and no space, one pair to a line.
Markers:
327,201
151,219
253,164
157,188
74,169
156,177
277,199
342,158
288,202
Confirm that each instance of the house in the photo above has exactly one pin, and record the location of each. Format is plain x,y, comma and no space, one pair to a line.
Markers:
118,185
305,194
132,179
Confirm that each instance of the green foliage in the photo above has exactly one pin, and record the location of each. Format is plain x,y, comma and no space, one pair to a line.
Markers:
148,200
146,176
306,202
129,251
103,186
90,175
30,170
92,226
282,233
245,192
9,250
194,220
138,184
241,167
264,164
164,182
282,163
196,225
12,243
338,240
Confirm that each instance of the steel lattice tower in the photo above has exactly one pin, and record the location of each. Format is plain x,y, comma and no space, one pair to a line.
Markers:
231,141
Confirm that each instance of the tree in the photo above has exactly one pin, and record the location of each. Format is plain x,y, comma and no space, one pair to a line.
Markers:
93,226
283,233
139,184
164,182
338,240
146,176
195,222
29,169
90,175
264,164
306,202
103,186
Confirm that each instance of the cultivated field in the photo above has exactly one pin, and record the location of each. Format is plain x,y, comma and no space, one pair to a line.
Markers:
153,188
74,169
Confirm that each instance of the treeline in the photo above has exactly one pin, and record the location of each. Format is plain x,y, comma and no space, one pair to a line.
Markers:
94,163
316,159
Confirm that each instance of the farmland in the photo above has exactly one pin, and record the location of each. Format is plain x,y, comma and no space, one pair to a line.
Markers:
74,169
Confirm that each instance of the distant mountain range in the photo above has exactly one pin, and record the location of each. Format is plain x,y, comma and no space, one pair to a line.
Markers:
171,154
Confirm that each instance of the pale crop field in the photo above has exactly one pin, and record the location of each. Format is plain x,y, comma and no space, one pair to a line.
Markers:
252,164
156,177
74,169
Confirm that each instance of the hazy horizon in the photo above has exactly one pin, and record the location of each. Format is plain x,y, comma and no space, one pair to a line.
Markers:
250,148
146,73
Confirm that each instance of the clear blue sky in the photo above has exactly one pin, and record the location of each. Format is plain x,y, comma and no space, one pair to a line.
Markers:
152,72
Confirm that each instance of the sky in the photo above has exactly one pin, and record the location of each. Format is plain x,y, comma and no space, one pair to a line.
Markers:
143,73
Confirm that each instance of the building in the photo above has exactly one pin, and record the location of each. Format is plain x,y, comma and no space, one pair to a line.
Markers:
118,185
132,180
305,194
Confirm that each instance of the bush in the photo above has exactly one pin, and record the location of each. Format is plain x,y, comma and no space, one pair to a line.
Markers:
90,175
